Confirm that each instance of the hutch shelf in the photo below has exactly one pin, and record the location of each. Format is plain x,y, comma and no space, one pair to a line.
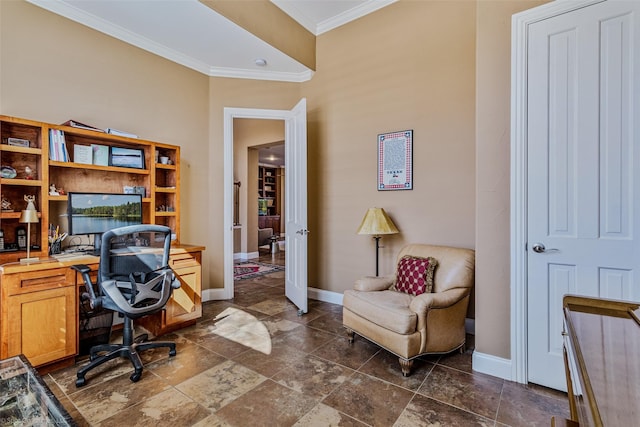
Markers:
28,169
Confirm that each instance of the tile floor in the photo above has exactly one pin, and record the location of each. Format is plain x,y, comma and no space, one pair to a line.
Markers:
252,361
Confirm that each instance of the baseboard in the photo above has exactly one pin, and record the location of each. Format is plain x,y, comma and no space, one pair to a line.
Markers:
213,294
319,295
325,296
491,365
483,363
245,255
312,293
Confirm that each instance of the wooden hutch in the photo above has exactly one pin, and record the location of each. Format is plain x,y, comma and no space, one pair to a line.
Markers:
39,300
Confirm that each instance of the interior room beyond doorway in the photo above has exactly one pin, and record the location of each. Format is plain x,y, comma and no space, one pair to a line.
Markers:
259,165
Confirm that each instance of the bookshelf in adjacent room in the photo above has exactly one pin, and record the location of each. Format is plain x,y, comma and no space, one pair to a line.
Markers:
268,189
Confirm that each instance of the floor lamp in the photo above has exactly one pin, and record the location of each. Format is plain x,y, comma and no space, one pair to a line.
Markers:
376,222
29,216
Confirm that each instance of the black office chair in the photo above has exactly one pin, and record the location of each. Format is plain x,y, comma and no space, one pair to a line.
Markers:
134,279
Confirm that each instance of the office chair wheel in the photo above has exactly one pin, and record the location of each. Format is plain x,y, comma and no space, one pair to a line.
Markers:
135,377
172,352
80,382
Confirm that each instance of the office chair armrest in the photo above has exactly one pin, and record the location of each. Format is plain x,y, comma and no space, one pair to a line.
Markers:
175,283
85,270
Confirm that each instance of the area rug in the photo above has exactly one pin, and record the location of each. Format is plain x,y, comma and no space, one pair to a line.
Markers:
247,270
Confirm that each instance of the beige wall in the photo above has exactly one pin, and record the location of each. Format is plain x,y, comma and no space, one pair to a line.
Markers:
415,69
54,70
440,68
493,174
239,93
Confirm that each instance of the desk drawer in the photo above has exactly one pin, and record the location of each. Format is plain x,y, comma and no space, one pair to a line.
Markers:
34,281
186,259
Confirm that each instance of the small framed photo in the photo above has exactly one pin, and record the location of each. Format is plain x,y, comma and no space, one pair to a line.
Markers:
126,157
395,160
18,142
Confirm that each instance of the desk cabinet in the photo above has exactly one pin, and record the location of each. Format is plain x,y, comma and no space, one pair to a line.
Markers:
185,305
39,306
39,315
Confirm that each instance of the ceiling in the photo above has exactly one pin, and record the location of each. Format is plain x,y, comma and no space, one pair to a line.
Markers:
272,155
192,34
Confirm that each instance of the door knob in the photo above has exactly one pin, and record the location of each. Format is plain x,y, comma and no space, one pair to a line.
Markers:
539,249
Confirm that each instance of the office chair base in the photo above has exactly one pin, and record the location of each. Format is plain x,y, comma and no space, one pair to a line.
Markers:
112,351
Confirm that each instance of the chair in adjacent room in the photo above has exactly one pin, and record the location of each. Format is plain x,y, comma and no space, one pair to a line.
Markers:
134,279
419,310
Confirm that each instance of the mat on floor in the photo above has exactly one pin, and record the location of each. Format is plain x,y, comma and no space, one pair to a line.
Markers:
247,270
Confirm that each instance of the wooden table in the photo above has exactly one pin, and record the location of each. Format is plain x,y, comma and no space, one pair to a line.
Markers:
602,349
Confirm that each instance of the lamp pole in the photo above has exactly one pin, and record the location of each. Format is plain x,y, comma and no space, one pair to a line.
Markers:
377,248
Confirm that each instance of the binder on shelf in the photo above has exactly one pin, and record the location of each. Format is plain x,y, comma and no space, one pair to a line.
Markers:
117,132
57,146
79,125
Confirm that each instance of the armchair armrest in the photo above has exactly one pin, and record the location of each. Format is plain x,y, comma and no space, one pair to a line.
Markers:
424,302
373,283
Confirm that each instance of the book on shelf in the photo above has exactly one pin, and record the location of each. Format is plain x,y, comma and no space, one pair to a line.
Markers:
117,132
76,124
57,146
83,154
100,154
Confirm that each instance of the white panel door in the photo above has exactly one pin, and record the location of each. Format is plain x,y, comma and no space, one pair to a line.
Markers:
583,171
296,232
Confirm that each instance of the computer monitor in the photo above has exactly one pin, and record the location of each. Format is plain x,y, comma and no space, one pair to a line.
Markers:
96,213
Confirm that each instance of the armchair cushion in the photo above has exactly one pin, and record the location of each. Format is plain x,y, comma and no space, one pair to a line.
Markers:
388,309
415,275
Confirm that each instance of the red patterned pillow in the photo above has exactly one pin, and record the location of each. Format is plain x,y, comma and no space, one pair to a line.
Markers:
415,275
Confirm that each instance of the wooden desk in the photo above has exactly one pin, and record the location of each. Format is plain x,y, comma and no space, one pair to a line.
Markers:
39,305
603,343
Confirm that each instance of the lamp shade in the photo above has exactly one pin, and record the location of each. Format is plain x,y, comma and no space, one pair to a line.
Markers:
377,222
30,214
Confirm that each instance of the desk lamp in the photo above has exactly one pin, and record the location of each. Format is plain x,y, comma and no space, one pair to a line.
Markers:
376,222
29,216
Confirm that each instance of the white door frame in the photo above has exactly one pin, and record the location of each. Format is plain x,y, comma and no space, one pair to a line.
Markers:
229,115
519,53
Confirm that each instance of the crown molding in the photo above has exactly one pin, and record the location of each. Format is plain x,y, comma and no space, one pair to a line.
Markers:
350,15
260,75
336,21
80,16
298,16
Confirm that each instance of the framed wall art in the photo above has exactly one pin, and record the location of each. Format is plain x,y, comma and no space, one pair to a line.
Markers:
395,160
126,157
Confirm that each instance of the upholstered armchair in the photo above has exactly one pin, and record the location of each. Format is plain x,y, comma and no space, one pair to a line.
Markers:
385,311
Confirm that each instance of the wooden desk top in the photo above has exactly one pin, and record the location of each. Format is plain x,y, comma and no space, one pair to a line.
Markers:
605,339
80,258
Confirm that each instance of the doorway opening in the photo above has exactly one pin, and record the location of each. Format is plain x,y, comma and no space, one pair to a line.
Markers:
295,138
259,202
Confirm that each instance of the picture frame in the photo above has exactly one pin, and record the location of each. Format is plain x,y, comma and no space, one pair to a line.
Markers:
395,160
126,157
18,142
